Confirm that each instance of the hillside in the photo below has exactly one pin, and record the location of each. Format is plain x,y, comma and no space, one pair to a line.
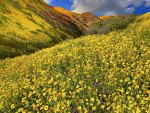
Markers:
89,18
83,20
108,24
74,17
95,73
27,26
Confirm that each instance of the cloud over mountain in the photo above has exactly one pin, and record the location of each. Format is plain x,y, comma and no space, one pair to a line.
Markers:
108,7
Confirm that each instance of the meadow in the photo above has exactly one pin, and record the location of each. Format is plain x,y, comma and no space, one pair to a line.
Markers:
103,73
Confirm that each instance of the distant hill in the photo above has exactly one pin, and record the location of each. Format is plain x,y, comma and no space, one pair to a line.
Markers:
89,18
74,17
107,17
110,23
85,19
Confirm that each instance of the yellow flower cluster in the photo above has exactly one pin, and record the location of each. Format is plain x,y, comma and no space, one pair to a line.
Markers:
98,73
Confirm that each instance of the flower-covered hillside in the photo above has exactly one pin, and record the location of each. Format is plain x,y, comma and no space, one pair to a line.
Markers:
29,25
95,74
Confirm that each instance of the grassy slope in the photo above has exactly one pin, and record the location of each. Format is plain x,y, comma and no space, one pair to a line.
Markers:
110,23
103,73
27,26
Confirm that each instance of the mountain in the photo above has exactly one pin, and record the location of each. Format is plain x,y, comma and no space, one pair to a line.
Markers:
89,18
29,25
85,19
95,73
74,17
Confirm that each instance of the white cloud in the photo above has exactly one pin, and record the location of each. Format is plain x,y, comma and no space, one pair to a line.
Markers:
147,2
48,1
107,7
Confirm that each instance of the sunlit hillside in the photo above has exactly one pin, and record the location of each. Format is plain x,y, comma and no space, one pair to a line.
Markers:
92,74
88,18
27,26
108,17
82,20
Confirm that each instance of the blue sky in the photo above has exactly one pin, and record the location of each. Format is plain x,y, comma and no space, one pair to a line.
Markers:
63,3
104,7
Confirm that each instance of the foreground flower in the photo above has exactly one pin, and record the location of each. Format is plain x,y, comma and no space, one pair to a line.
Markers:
46,108
12,106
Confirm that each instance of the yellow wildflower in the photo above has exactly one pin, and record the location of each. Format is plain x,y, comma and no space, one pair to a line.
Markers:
127,79
63,94
79,108
93,108
46,108
102,106
92,99
12,106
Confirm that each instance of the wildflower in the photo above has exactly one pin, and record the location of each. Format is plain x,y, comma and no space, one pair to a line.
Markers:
91,104
86,100
124,106
129,88
23,100
108,108
138,110
95,84
121,81
1,106
79,108
90,111
81,101
96,80
63,94
92,99
136,87
20,109
98,102
103,101
127,92
55,98
103,91
127,79
12,106
102,106
104,96
93,108
46,108
85,110
73,110
80,82
122,90
137,96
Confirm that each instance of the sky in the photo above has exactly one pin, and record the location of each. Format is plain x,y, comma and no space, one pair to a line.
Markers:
104,7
